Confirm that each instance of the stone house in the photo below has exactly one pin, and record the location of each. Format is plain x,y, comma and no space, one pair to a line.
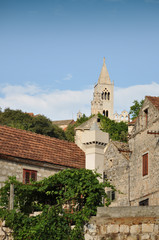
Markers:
63,123
134,167
28,155
144,162
116,170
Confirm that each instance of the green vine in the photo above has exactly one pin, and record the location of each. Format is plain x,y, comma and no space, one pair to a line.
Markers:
66,200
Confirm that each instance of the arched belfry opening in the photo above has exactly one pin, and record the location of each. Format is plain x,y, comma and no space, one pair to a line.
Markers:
108,95
105,113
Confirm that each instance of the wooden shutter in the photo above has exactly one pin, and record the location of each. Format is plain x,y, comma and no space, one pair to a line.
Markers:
145,165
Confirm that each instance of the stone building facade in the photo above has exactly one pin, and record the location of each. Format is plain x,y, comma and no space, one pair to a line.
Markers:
132,168
28,155
144,164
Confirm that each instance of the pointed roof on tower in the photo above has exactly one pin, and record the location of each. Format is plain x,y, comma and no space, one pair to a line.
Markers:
104,75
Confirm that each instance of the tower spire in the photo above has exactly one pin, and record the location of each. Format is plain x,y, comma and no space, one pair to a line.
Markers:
104,75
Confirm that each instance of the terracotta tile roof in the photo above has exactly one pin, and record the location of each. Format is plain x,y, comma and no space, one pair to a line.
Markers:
154,101
63,122
132,122
27,145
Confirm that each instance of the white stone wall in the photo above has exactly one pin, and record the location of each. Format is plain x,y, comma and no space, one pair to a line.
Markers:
127,223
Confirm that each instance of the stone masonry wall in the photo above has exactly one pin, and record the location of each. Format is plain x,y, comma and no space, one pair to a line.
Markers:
11,168
5,233
116,167
140,143
124,223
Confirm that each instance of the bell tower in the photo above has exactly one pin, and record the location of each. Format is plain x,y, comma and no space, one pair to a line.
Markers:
103,96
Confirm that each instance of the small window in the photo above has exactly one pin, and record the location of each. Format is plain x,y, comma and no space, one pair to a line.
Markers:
111,195
106,113
104,177
146,116
108,95
144,202
145,164
29,175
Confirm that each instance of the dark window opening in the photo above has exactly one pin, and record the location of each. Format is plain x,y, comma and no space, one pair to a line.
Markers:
106,113
29,175
103,112
111,195
144,202
105,95
98,119
108,95
145,164
146,116
104,177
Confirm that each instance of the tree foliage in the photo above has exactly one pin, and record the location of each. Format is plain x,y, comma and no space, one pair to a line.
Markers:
38,124
118,131
66,200
135,108
70,131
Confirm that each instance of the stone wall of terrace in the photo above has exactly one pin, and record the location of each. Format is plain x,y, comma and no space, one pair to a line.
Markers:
124,223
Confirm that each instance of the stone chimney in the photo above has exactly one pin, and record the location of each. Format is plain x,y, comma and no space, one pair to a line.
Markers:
95,141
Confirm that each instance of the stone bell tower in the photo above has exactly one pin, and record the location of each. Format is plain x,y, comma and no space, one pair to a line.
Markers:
103,97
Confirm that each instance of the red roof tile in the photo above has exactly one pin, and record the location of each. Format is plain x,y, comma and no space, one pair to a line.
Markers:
27,145
154,101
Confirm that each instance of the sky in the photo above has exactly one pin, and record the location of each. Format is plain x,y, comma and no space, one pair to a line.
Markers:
51,53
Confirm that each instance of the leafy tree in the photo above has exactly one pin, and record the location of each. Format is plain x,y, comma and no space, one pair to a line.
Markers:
38,124
118,131
66,200
16,118
135,108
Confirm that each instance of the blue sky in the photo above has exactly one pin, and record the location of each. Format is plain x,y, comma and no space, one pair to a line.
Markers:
51,53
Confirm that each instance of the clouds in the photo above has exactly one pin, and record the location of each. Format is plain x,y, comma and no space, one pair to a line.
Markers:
58,105
124,97
54,104
68,77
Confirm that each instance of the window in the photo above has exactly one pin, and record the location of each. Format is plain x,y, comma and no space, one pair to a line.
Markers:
145,164
111,195
108,95
146,116
144,202
104,177
29,175
106,113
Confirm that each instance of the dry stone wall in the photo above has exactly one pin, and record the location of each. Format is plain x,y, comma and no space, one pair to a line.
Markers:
124,223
